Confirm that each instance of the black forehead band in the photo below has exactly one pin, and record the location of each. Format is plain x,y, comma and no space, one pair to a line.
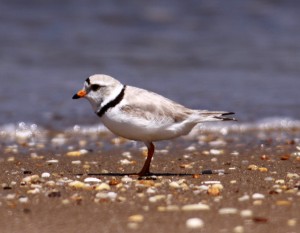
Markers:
88,81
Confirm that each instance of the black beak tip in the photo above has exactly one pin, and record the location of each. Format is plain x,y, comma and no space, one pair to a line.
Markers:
75,97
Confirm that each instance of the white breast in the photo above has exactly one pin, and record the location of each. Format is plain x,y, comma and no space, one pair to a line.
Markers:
140,129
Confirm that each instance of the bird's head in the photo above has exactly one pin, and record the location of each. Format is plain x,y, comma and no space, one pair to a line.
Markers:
99,89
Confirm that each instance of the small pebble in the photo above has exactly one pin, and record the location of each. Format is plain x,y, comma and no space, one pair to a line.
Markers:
151,190
205,152
292,222
238,229
257,202
214,160
263,169
203,187
126,179
147,183
76,162
52,161
31,179
264,157
292,175
168,208
34,191
45,175
285,157
224,211
163,151
133,225
112,196
136,218
118,141
59,140
256,196
65,202
174,185
192,207
214,191
11,196
87,167
77,153
50,183
11,159
121,199
77,184
235,153
34,155
260,219
194,223
283,203
246,213
156,198
212,182
216,152
217,143
92,180
77,198
244,198
187,166
281,181
114,181
196,176
191,148
218,185
126,162
26,172
103,196
186,156
269,178
252,167
102,186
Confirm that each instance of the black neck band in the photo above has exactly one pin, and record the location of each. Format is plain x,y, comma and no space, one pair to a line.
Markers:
112,103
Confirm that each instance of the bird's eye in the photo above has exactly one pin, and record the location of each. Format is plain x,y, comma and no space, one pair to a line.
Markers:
95,87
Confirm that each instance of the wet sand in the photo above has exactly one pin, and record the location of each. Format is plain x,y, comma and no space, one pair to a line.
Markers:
80,183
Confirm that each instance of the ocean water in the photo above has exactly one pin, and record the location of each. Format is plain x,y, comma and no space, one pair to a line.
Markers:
240,56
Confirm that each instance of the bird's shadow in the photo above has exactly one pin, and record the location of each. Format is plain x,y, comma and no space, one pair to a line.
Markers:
152,175
134,174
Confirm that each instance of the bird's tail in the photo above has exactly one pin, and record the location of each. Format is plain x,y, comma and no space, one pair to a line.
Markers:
215,116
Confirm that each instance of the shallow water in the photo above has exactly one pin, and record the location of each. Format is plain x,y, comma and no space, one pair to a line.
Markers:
241,57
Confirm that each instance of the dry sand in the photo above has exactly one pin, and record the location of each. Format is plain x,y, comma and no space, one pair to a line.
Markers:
86,183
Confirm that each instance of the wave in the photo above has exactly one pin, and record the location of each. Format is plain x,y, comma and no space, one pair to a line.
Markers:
265,124
35,133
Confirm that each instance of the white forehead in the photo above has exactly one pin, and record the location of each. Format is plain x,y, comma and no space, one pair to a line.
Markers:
101,79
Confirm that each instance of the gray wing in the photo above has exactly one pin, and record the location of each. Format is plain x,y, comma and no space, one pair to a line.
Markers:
153,107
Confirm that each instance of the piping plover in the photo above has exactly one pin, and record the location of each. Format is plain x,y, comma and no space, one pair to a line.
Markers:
141,115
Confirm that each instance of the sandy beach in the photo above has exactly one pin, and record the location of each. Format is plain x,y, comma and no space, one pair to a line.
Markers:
74,182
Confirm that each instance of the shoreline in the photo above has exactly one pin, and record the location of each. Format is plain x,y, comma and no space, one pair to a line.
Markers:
75,183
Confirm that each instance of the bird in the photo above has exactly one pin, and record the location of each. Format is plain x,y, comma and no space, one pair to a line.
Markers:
141,115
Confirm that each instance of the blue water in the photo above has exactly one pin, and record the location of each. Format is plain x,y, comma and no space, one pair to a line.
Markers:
240,56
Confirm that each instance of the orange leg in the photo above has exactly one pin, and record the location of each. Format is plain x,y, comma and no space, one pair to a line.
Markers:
146,168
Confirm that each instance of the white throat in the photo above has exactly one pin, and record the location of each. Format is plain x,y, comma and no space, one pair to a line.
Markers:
113,95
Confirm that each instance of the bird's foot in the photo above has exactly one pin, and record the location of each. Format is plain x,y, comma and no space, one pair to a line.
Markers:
144,174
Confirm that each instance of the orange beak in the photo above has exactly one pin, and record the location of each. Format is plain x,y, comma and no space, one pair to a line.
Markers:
79,94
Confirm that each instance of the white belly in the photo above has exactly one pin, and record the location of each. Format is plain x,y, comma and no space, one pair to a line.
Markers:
141,129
